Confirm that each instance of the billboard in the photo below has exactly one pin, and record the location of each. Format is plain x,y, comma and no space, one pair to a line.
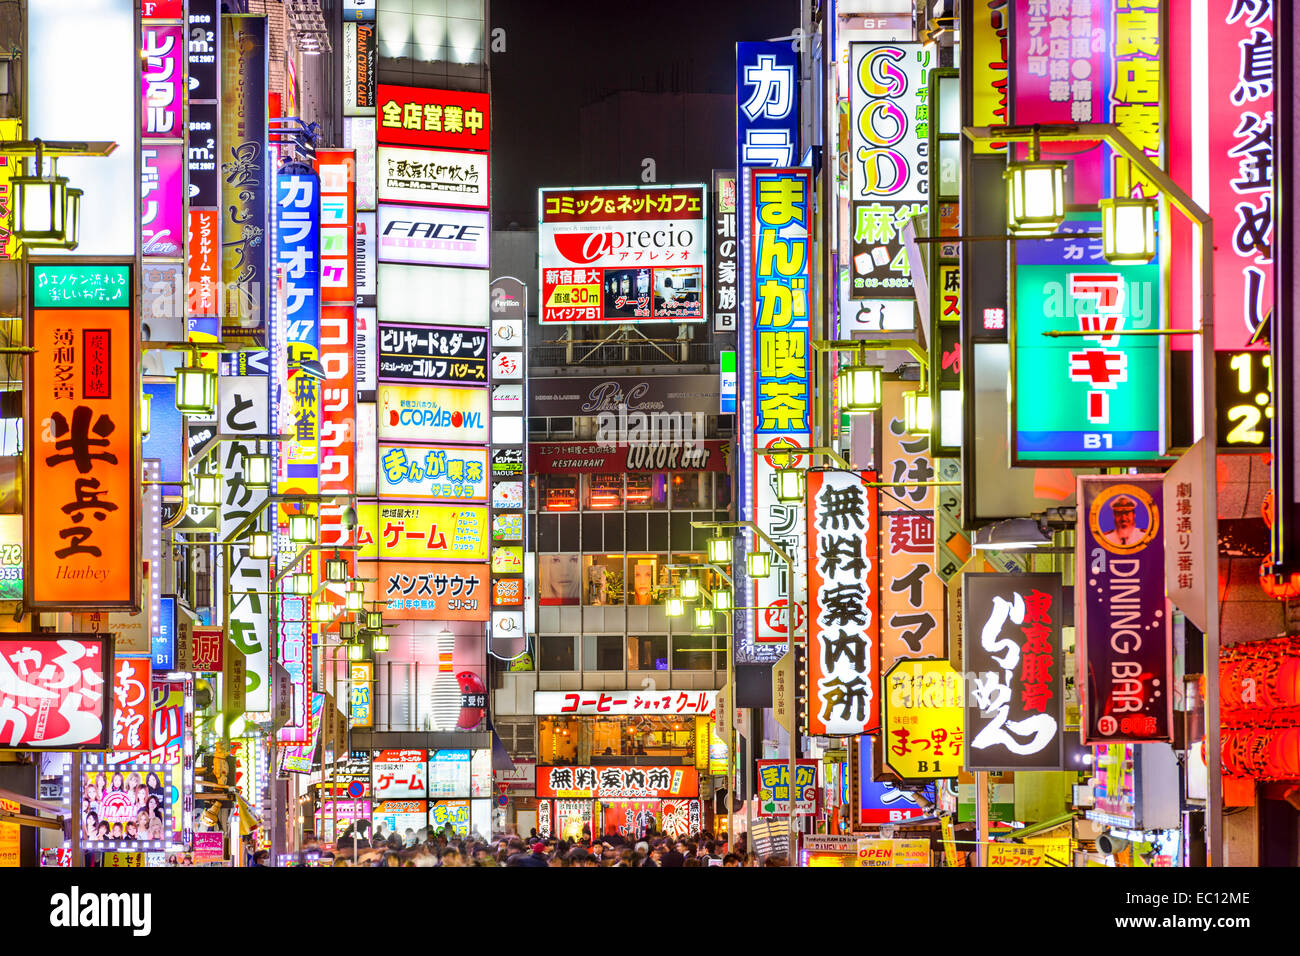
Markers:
883,802
399,775
337,170
773,785
617,781
440,119
435,413
433,236
921,726
889,169
843,592
245,178
623,254
591,458
1090,399
127,806
405,291
420,591
702,703
432,176
625,396
360,68
430,353
58,686
446,473
423,532
131,700
1012,651
83,468
1125,646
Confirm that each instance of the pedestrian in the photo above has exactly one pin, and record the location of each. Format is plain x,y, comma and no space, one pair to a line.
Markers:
671,855
261,857
731,859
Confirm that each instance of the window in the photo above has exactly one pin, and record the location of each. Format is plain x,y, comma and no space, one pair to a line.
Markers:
556,653
559,579
722,491
647,491
560,492
518,735
557,740
603,652
603,577
604,492
691,490
647,576
692,652
647,653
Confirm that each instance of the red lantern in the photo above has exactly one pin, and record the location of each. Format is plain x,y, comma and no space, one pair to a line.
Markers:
1285,590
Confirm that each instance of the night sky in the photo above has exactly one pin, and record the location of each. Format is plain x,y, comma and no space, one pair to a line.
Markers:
563,54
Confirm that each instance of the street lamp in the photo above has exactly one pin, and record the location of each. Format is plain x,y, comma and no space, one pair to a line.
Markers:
257,471
674,607
859,389
722,599
46,211
1128,230
720,550
348,630
703,617
336,570
323,612
790,485
378,641
759,563
1035,194
690,588
356,651
301,584
196,389
918,414
374,620
259,545
302,528
207,491
356,597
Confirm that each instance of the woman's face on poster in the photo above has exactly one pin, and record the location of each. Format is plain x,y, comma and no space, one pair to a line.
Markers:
562,573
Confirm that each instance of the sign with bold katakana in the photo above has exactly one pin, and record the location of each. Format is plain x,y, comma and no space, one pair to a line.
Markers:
447,119
601,782
422,532
1013,656
625,703
418,591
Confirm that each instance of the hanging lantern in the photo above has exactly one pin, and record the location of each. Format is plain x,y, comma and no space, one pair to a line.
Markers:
374,620
674,607
301,584
790,485
41,205
207,491
917,413
336,570
759,564
356,652
356,600
1035,195
690,588
722,599
720,550
859,389
146,413
379,641
1128,230
257,471
196,389
259,545
703,617
348,630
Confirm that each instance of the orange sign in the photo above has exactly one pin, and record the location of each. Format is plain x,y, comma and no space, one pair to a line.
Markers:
83,490
417,591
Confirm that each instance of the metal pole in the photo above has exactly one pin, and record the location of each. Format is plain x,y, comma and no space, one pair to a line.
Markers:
982,815
794,717
74,817
731,736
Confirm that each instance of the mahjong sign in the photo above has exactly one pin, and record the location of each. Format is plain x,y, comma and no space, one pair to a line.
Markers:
1085,399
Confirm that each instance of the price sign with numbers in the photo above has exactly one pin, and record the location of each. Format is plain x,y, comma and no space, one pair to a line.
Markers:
923,720
1243,390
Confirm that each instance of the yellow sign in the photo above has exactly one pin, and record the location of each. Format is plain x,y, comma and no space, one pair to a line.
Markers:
877,852
10,166
703,737
872,852
9,836
923,720
911,853
570,296
415,532
1013,854
362,675
951,855
124,859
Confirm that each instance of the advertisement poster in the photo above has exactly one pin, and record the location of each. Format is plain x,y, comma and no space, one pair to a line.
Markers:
1012,650
437,472
419,591
432,177
57,685
433,236
602,782
419,531
443,119
126,806
774,788
922,726
630,254
432,414
409,353
1124,647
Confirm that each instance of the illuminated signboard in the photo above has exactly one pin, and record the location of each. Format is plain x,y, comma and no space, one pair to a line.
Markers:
432,414
399,775
1081,400
432,176
83,488
446,473
446,119
774,788
127,806
433,236
617,781
420,531
419,591
361,675
623,254
60,692
429,353
921,728
1243,400
11,557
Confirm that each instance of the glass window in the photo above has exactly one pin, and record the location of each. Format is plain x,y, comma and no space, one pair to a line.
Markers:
647,491
561,492
557,740
691,652
647,653
691,489
603,577
604,492
648,578
722,490
560,578
604,652
556,653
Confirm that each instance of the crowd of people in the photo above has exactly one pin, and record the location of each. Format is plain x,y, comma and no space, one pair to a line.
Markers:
355,847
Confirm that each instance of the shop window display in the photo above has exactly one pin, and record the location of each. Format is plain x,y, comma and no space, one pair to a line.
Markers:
560,492
604,582
647,491
602,492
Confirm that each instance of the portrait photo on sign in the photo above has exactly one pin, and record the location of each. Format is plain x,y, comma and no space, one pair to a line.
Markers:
1124,519
560,578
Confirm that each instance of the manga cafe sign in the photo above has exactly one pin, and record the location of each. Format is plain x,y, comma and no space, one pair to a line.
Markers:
1125,647
1012,648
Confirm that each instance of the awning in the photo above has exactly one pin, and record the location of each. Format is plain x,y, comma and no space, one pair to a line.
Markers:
1037,828
500,756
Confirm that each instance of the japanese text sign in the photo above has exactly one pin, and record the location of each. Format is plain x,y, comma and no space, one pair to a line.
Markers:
725,252
1125,649
843,595
447,472
433,236
162,76
432,414
83,492
779,270
1013,654
419,591
415,532
922,723
297,252
430,353
602,782
55,692
447,119
889,165
774,788
337,170
245,175
1185,577
623,254
625,703
911,593
432,176
131,700
361,675
883,802
1087,399
395,777
767,103
162,199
